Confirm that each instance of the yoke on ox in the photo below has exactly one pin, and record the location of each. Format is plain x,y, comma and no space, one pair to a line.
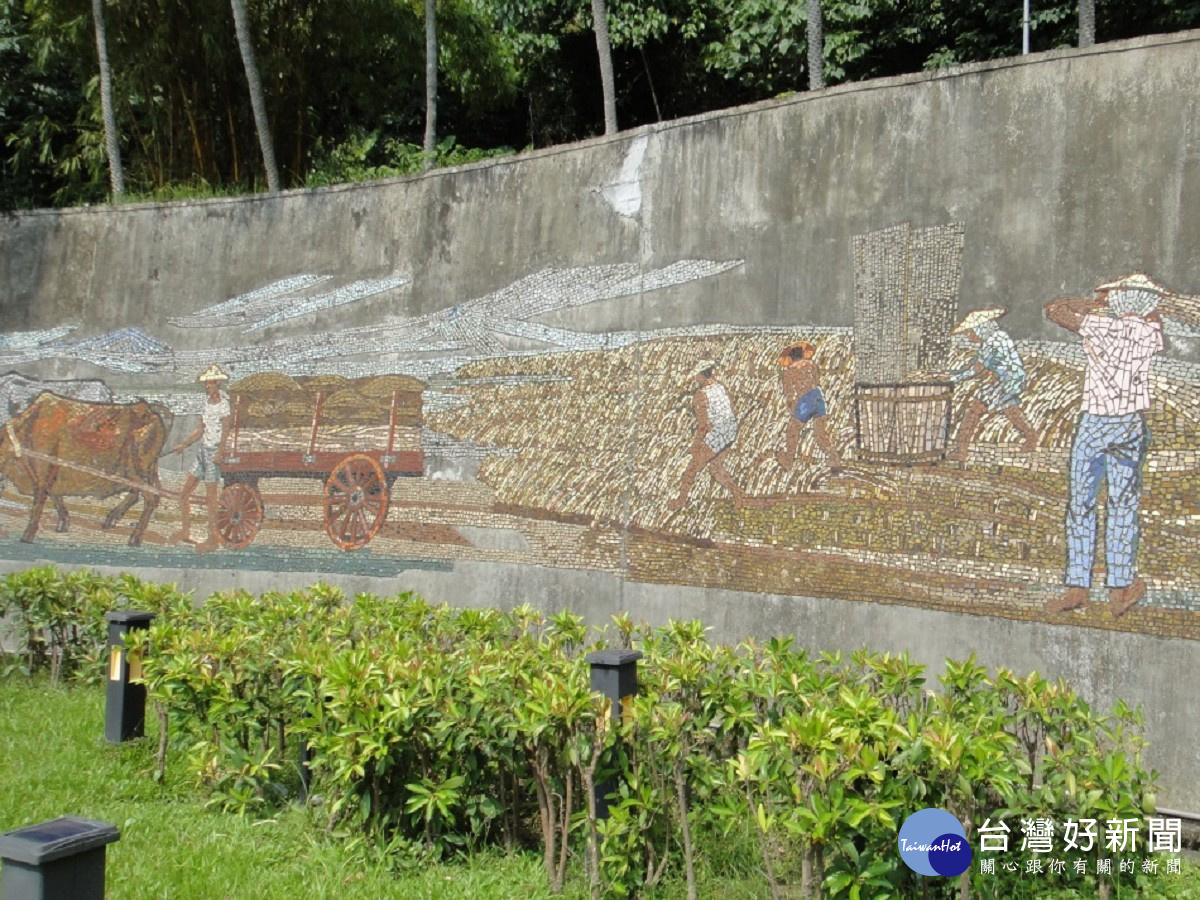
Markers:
59,447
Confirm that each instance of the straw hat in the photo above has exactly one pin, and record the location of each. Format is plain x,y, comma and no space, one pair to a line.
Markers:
1137,294
785,355
703,367
1137,281
212,373
978,317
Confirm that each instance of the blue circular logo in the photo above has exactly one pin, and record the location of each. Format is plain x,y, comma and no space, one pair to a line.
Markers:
933,842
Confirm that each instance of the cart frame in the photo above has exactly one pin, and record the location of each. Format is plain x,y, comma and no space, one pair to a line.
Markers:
356,486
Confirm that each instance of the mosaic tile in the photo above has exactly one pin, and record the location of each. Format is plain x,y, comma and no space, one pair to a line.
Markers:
822,461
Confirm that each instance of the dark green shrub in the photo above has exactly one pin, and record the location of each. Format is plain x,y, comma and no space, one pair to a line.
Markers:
440,731
57,620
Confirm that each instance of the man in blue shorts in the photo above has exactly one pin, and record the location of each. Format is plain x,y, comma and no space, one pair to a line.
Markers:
802,388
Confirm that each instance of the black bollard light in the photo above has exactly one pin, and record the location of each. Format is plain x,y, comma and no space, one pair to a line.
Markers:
125,702
62,858
613,674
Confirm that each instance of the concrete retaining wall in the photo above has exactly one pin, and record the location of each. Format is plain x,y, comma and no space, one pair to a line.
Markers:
555,307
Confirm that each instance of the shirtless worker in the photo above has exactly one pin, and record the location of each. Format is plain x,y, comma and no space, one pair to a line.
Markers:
802,388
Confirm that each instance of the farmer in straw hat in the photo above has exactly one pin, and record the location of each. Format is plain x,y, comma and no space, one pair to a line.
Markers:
1121,331
996,356
211,432
802,388
716,430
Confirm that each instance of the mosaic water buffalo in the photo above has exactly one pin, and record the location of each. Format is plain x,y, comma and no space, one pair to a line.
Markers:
58,447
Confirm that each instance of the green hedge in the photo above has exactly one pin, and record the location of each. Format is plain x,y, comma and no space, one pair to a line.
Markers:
56,621
436,730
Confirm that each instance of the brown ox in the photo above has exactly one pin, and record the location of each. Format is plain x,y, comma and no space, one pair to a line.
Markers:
59,447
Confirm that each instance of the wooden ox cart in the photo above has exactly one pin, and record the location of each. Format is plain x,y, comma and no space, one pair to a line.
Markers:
354,436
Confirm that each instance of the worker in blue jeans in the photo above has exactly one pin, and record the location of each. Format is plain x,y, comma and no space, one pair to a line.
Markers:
1122,332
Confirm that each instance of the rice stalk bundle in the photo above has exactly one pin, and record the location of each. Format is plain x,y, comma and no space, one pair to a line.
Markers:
271,399
383,386
264,382
1052,400
326,384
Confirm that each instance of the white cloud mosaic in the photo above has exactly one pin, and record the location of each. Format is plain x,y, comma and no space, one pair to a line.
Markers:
251,306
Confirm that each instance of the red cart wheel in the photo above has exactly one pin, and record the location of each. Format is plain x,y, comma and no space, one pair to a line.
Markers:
356,501
239,514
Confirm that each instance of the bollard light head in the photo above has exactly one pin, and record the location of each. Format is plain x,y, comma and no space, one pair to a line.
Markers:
614,672
130,617
614,657
58,838
123,621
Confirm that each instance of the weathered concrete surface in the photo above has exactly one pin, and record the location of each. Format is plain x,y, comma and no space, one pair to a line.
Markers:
1062,166
1064,169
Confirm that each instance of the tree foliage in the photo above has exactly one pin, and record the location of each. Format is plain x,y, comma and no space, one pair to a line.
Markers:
510,73
328,70
433,730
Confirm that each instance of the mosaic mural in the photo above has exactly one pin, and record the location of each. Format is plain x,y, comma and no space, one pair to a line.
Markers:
920,456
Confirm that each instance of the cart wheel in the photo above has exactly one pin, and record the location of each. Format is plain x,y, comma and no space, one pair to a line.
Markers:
356,501
239,514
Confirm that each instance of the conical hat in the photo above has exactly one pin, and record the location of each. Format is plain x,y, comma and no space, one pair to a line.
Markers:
978,317
212,373
785,353
1137,281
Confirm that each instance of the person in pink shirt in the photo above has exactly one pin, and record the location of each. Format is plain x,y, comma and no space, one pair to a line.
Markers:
1121,332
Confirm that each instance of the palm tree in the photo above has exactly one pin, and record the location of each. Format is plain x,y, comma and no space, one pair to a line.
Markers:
431,83
257,103
816,46
1087,23
116,174
604,50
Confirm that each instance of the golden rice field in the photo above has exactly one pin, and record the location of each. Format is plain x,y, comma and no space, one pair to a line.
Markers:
609,440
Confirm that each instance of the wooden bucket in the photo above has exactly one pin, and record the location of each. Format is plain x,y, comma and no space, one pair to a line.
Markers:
902,424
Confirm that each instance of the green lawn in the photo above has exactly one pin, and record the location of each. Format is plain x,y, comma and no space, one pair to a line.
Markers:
54,761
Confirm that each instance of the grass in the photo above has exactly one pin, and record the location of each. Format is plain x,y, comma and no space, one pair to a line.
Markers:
54,761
